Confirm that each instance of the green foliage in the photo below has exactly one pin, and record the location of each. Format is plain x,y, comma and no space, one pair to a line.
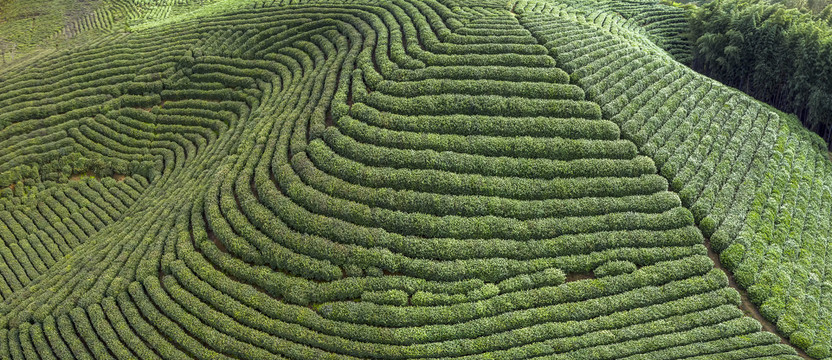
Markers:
381,179
753,178
662,22
771,52
614,268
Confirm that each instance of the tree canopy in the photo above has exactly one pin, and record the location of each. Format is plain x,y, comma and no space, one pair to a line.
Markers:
777,54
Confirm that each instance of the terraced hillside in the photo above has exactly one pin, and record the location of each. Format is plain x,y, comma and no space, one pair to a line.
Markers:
756,182
32,29
665,26
388,179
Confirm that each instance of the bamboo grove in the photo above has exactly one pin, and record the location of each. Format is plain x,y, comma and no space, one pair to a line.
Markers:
778,55
402,179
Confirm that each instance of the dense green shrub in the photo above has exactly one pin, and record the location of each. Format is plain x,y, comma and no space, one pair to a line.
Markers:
614,268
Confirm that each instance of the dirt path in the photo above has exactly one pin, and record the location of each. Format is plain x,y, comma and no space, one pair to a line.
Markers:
747,306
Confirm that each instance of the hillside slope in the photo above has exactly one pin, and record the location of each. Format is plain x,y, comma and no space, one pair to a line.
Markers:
377,179
32,29
757,182
665,26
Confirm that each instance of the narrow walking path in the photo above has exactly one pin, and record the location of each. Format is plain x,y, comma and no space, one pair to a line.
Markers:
746,305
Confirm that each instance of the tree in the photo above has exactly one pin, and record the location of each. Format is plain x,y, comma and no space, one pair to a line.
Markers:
777,54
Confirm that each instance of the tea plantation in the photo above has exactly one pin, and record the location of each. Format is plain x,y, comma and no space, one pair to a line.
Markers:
405,179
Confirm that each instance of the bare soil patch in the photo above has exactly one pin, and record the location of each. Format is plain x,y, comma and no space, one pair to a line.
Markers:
579,276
